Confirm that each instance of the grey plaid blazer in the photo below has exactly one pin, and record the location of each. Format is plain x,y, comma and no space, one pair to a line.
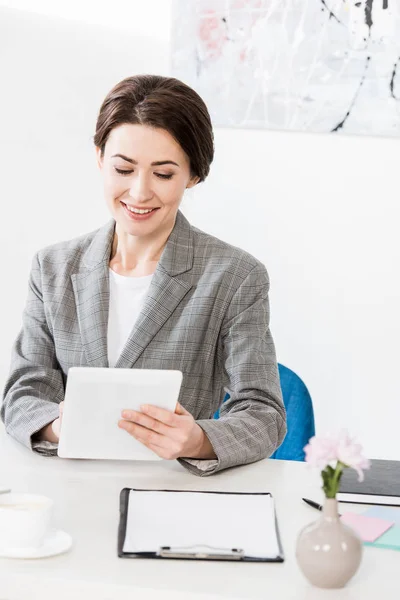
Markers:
206,314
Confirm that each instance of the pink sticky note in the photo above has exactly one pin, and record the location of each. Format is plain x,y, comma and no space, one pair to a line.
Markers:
368,528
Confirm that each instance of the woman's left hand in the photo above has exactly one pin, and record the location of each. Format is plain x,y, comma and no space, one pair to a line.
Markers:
170,435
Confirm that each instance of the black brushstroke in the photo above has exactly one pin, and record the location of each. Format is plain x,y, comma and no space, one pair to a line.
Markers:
368,14
340,125
393,80
385,4
358,4
331,14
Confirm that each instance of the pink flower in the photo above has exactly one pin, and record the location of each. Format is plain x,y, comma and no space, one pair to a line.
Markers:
350,454
320,451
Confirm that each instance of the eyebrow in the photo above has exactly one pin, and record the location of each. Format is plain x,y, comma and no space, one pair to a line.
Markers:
157,163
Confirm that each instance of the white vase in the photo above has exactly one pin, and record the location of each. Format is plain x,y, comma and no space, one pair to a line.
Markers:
328,552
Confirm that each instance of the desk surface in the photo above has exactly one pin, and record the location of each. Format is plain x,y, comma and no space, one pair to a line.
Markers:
86,495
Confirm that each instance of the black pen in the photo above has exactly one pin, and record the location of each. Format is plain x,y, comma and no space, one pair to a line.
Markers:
313,504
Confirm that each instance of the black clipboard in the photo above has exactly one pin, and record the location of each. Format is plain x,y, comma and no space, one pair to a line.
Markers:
206,553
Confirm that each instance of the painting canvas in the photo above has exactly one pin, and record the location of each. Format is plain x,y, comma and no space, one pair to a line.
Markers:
306,65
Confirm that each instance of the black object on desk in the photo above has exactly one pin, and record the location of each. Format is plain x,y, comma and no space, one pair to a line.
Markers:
381,484
312,503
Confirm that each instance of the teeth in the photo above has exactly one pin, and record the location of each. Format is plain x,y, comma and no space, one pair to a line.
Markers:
139,211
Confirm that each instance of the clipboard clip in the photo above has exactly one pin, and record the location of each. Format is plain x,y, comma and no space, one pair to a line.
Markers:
202,552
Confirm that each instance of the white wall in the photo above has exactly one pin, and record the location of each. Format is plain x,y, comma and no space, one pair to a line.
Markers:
321,211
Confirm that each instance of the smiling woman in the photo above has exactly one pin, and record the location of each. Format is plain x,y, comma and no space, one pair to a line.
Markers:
150,291
143,194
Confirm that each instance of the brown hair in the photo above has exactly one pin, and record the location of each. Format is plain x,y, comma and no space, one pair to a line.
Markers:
162,102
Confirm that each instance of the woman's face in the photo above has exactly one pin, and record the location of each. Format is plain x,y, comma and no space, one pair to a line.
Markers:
145,173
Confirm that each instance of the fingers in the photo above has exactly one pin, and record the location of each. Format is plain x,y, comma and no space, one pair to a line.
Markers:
160,414
145,420
166,433
144,435
55,427
169,450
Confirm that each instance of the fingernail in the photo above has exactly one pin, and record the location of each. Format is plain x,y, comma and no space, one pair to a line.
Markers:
144,408
126,414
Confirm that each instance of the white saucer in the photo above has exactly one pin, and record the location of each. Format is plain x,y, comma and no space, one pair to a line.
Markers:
56,542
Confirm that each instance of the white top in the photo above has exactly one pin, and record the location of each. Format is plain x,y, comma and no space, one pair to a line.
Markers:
127,295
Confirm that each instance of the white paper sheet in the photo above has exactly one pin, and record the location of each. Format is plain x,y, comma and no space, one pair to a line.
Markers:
198,520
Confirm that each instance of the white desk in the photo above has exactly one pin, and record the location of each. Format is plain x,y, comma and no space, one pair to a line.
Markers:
86,495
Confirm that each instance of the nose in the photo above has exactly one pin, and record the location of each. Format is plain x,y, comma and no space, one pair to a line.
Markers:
140,189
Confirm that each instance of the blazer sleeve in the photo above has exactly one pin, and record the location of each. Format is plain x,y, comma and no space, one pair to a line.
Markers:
252,423
35,385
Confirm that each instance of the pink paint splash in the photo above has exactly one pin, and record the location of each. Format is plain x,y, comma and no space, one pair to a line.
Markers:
212,34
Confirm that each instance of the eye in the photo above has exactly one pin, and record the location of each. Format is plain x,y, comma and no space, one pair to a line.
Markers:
129,171
163,176
122,171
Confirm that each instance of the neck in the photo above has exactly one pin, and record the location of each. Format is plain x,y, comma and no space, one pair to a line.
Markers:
330,509
137,255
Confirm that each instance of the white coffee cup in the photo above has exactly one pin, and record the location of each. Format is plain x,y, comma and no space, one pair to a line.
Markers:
24,520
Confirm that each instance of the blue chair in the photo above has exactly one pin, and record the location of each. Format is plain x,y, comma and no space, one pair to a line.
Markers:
299,414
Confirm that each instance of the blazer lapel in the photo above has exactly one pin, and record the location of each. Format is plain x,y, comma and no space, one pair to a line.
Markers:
168,287
91,288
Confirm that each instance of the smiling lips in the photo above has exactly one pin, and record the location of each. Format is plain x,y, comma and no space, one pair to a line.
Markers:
138,214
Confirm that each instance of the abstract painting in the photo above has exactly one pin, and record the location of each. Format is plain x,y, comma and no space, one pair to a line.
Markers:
306,65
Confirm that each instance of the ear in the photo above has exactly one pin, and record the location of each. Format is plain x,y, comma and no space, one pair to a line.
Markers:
99,158
192,182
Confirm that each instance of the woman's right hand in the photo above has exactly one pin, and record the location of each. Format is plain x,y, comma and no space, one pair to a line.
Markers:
56,425
51,433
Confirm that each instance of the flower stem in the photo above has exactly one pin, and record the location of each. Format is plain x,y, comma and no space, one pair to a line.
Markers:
336,477
331,479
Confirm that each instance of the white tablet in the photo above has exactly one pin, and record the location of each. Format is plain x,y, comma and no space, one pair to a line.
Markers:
94,400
